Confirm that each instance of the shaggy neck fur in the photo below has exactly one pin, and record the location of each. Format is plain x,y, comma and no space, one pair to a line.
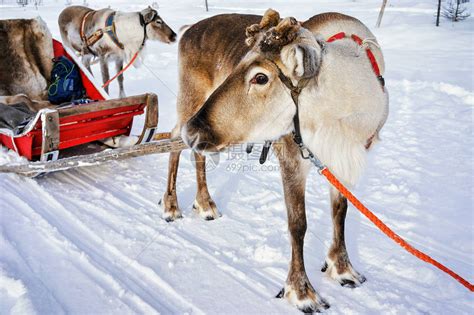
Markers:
130,32
336,122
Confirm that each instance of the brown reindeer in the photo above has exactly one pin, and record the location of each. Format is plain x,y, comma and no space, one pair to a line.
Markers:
26,51
111,35
231,93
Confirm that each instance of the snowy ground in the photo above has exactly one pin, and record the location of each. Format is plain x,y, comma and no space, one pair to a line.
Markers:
91,241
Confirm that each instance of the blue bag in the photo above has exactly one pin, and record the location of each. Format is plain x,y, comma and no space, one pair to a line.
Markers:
66,83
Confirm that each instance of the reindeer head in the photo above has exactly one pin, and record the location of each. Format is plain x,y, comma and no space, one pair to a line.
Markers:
156,28
253,104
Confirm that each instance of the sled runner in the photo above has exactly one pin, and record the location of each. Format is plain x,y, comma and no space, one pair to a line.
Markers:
64,137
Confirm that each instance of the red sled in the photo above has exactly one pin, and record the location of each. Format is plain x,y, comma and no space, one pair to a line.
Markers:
62,138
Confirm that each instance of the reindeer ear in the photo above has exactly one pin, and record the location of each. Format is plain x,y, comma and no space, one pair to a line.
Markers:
148,14
303,60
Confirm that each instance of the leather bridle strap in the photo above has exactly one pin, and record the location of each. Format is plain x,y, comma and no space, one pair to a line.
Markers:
110,30
83,25
144,25
295,92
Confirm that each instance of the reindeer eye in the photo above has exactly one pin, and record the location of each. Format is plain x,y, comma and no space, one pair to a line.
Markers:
159,22
259,79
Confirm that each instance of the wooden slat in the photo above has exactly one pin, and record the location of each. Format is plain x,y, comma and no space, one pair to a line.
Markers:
102,105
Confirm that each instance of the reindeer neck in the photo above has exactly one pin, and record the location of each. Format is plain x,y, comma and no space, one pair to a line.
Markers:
129,30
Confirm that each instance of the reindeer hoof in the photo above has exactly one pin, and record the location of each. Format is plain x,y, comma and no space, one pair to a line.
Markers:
311,302
348,283
207,210
172,216
281,294
171,211
324,267
323,305
310,310
349,278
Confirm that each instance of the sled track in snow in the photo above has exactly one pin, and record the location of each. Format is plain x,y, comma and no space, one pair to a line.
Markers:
184,239
111,265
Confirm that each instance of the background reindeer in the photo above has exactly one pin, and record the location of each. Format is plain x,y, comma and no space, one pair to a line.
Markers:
232,93
111,36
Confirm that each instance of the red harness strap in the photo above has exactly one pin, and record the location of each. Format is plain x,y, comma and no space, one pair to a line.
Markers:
340,35
373,62
83,24
368,51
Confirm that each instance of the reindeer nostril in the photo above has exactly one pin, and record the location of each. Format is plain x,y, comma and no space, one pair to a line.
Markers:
172,37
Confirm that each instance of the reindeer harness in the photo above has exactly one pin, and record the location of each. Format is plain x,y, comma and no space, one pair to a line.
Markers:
108,29
296,91
368,51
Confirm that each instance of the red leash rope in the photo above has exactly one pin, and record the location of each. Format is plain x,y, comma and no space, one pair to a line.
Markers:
389,232
366,212
123,70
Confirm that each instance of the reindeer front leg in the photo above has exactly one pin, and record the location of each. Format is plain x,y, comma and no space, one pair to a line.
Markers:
203,204
338,265
104,68
86,60
298,289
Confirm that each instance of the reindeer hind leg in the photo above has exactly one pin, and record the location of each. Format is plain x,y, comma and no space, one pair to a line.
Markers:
104,68
119,67
169,202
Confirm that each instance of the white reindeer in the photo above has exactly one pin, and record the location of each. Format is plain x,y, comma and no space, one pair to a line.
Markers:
111,35
330,67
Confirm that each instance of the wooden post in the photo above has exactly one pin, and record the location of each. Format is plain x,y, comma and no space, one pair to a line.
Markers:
439,12
207,6
151,119
382,10
50,135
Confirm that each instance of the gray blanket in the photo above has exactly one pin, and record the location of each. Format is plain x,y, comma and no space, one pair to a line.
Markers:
15,117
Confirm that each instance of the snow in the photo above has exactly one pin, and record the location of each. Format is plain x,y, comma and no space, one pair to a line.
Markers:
92,241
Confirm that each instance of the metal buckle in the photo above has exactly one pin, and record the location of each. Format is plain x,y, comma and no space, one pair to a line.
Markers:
305,152
308,155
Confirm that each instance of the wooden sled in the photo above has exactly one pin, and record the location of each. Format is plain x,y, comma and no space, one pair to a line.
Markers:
66,137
